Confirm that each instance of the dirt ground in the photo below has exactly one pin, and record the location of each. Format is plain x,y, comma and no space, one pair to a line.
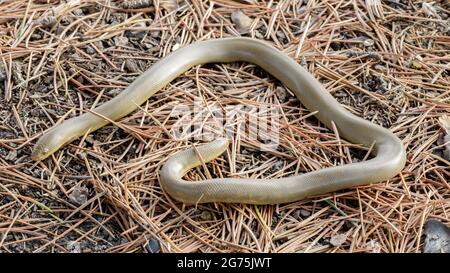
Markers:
385,60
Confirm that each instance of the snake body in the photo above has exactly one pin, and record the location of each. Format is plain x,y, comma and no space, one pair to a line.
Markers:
389,153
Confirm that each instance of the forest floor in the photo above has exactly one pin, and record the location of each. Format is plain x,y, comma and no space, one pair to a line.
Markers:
385,61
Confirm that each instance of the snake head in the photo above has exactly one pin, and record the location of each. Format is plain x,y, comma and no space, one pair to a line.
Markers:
39,152
47,144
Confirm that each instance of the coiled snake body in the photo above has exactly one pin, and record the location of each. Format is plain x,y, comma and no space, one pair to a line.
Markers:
388,150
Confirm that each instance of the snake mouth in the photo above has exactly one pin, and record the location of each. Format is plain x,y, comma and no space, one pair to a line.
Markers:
36,156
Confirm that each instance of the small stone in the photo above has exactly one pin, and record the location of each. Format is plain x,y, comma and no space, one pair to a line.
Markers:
206,215
139,32
120,41
78,12
305,213
153,246
374,246
89,139
59,30
155,33
219,88
280,35
368,42
437,237
36,36
283,95
131,66
175,46
74,247
79,195
338,240
259,35
90,50
241,21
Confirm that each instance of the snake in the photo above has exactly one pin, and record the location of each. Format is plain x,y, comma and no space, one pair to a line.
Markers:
388,152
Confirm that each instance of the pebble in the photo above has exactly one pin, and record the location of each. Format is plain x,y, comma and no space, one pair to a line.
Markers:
368,42
338,240
120,41
305,213
79,195
74,247
89,139
175,46
282,93
219,88
36,36
380,67
280,35
437,237
155,33
241,21
90,50
59,30
148,46
153,246
301,213
138,33
259,35
206,215
78,12
374,246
